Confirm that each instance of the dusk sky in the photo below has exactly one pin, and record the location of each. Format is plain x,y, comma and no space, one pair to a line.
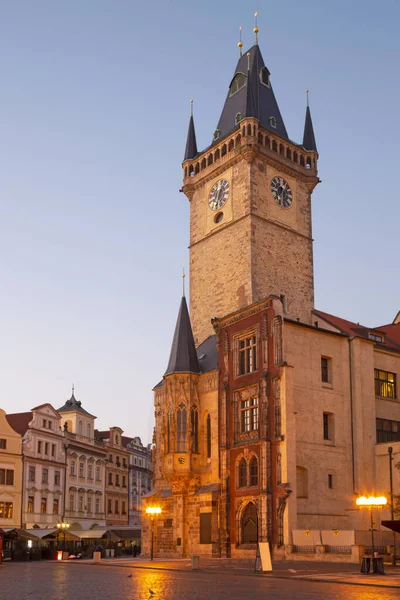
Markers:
94,112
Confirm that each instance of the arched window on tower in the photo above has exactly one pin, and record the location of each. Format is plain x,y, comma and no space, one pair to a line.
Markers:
254,471
89,430
194,418
209,436
181,429
242,473
80,427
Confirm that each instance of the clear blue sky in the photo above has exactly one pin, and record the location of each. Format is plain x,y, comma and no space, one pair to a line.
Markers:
94,108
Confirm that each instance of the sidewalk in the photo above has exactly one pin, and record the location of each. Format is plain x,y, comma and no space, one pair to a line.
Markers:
303,571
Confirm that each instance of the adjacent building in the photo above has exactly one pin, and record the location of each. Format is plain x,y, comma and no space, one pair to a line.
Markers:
272,416
117,477
44,465
10,474
140,477
86,472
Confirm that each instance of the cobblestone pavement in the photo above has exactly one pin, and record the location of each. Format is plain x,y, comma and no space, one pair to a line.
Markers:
69,581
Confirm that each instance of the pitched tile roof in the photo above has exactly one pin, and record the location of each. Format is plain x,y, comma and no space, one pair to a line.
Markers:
74,405
19,421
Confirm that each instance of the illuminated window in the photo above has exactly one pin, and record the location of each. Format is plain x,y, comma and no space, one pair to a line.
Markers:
385,384
31,504
43,506
6,510
55,506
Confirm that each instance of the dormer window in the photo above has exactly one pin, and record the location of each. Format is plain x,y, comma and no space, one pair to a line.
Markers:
238,118
272,122
216,134
238,82
375,338
264,76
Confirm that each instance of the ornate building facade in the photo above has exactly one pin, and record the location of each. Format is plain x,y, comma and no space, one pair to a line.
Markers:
140,476
272,416
10,474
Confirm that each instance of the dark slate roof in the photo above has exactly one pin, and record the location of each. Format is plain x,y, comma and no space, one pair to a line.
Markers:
191,145
309,142
20,421
208,354
74,404
183,357
253,100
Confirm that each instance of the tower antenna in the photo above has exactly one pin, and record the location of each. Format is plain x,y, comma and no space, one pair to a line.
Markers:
73,389
256,26
307,97
191,108
183,281
240,43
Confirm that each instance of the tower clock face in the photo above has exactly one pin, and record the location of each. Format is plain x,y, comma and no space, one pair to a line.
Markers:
219,194
281,192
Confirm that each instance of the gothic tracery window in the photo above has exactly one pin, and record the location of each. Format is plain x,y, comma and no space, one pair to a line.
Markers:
181,429
249,522
242,473
254,471
169,425
209,436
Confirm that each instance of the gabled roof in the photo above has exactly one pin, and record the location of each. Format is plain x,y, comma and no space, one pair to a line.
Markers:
309,142
391,339
19,421
255,99
191,144
73,405
183,357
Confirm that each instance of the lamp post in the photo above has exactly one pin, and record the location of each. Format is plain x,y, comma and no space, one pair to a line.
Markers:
152,511
390,450
63,526
371,503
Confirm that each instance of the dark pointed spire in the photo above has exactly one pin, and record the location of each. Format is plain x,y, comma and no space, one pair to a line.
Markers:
191,145
264,105
183,357
309,142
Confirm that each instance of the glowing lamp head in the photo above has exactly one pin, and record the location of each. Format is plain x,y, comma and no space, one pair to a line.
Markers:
371,501
153,510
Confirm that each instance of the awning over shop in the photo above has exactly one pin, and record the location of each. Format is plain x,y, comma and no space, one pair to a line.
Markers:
393,525
98,534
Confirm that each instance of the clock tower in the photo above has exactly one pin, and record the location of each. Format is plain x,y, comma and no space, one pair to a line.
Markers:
250,205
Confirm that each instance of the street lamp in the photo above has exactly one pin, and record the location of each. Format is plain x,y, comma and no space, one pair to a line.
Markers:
63,526
371,503
152,511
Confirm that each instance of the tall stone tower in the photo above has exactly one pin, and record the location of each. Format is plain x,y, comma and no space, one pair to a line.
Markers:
250,205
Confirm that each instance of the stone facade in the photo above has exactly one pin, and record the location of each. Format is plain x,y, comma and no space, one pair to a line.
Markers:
140,477
117,477
295,408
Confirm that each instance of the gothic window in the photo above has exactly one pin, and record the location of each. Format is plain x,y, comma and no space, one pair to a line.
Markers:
194,418
238,82
247,355
209,436
302,482
249,415
169,425
242,473
254,471
249,524
277,334
181,429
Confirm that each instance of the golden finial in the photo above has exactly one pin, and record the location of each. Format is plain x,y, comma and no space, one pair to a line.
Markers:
256,26
191,108
307,97
240,43
183,281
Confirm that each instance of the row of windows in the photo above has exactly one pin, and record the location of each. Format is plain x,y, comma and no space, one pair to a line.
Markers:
43,505
117,461
46,447
72,470
117,480
387,431
181,428
88,507
6,510
45,475
6,476
116,507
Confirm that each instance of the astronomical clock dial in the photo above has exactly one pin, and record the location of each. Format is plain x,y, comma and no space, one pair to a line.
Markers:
219,194
281,192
